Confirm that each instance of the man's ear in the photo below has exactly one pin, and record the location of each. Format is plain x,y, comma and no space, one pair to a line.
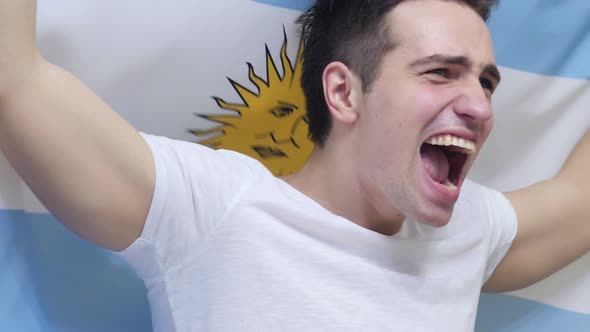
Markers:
342,91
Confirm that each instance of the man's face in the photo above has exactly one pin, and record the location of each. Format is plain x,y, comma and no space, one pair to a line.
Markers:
434,89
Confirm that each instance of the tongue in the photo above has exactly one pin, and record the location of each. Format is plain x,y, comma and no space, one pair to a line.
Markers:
435,162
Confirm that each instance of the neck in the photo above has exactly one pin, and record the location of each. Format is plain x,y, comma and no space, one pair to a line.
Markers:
339,188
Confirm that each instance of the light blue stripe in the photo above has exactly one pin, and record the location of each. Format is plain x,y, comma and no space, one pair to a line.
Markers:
18,309
546,37
291,4
504,313
53,281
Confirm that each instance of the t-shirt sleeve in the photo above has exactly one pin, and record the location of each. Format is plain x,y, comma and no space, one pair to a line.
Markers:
195,186
502,227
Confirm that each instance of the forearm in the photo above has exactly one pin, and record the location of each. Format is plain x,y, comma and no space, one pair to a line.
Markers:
577,167
576,173
553,224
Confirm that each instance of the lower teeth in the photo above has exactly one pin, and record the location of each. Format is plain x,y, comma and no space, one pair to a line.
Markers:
449,185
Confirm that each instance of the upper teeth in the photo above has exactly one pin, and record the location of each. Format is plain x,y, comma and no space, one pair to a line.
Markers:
466,146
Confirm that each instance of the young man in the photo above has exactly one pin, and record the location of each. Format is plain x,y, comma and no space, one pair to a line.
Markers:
379,231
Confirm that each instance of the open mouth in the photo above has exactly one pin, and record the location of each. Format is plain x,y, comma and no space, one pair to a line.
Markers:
444,158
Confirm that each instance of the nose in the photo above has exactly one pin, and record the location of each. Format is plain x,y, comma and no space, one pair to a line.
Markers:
297,123
474,102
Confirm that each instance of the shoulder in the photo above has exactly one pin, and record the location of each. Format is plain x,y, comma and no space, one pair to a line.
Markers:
483,206
477,196
191,154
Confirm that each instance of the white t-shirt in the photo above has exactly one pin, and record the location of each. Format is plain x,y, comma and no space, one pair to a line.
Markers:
229,247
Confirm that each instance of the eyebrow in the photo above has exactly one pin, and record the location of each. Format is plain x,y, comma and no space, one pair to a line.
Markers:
284,103
489,69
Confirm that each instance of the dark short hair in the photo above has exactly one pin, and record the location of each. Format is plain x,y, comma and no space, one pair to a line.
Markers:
353,32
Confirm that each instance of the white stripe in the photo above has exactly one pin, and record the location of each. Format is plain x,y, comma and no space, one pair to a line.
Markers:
538,121
567,289
14,194
159,62
10,186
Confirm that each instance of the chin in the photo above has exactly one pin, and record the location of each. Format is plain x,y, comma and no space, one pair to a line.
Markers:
437,217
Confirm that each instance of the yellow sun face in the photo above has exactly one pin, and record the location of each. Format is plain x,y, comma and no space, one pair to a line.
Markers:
270,126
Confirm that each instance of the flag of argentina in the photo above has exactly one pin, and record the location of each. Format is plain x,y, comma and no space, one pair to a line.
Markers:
164,65
541,111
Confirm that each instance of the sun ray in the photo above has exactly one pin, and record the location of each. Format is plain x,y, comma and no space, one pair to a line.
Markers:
271,124
226,120
228,106
272,73
213,143
255,79
243,92
207,132
286,62
298,66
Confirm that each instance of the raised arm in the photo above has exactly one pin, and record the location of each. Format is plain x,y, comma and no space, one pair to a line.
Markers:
554,225
88,166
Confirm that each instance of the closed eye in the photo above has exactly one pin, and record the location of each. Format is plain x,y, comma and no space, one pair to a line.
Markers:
282,111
